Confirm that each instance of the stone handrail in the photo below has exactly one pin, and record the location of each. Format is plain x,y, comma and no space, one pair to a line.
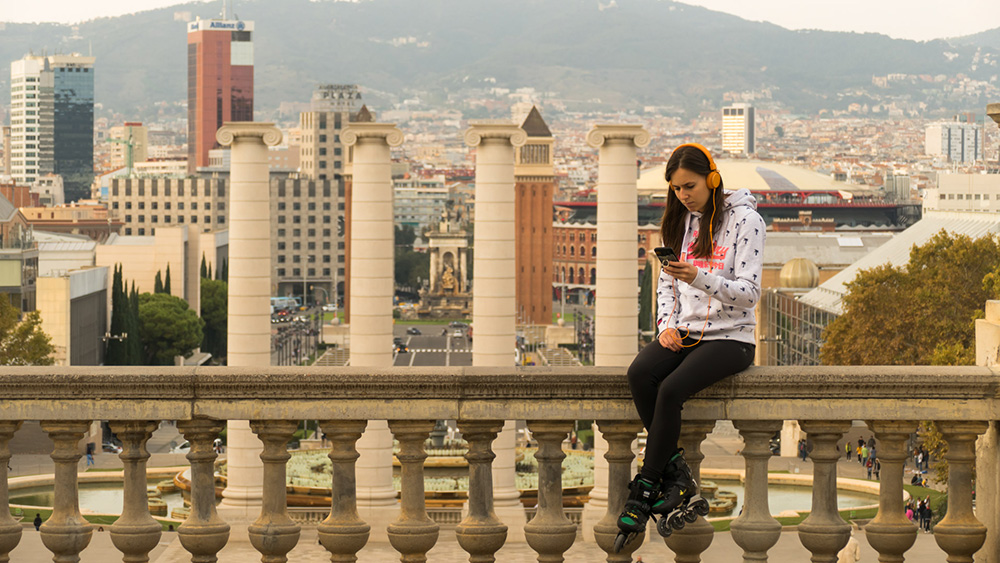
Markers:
824,399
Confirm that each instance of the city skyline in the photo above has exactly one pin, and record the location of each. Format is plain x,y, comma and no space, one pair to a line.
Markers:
899,19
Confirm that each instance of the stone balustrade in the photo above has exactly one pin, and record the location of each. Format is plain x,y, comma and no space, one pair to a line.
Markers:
824,399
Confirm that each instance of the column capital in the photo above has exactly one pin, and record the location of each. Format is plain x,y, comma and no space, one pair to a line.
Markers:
993,110
494,129
604,132
248,130
386,131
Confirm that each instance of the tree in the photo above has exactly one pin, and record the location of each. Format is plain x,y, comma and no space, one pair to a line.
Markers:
168,327
222,273
116,353
166,281
204,267
134,340
647,303
899,315
409,265
215,311
22,342
158,283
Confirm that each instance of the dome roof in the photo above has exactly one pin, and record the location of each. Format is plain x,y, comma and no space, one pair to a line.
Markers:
799,273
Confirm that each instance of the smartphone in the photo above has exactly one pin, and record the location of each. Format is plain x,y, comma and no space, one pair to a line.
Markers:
665,254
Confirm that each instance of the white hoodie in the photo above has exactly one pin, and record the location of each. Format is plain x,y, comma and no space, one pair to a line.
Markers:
729,283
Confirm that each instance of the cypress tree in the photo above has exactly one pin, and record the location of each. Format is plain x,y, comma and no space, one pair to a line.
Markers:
134,338
116,352
158,283
204,267
166,281
224,271
646,318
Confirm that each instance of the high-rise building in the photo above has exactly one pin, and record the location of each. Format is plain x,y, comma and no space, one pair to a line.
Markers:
220,82
321,154
959,142
738,129
534,184
52,120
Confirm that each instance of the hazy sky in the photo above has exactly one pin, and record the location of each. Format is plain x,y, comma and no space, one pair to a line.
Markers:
909,19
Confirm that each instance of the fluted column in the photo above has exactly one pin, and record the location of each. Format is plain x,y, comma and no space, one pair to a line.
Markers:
66,533
413,534
550,533
203,533
960,534
274,534
343,533
493,301
688,544
135,533
824,532
891,533
10,529
249,321
988,490
372,244
755,530
481,533
619,434
616,330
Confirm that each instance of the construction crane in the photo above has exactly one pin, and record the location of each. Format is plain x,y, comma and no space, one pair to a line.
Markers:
129,147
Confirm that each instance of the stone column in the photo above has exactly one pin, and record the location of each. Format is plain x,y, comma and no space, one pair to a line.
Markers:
343,533
755,530
274,534
617,321
414,533
66,533
824,532
891,533
10,529
988,445
135,533
203,533
550,533
249,325
493,301
688,544
481,533
372,244
960,534
618,459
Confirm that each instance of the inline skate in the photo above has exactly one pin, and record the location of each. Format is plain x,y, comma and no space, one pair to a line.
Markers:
681,503
644,499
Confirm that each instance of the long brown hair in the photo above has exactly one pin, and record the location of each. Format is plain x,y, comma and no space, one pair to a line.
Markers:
673,223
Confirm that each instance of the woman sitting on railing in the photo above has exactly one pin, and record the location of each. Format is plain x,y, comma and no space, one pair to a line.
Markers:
706,321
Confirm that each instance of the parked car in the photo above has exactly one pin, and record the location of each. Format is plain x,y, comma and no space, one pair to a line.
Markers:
111,448
330,308
457,324
184,448
413,330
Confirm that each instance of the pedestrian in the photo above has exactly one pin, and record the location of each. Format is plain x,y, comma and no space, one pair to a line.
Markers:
90,458
869,465
864,455
878,469
38,521
709,285
847,450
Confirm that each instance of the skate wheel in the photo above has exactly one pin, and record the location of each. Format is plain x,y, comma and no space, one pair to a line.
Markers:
700,507
663,528
690,516
620,542
676,521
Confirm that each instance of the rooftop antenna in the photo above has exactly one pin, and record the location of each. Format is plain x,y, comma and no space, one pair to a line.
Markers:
225,10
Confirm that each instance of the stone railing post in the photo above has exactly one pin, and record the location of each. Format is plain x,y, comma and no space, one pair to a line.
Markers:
616,339
550,533
204,533
960,534
135,533
343,533
371,292
10,529
494,299
414,533
480,533
688,544
824,532
619,434
891,533
249,321
755,530
274,534
66,533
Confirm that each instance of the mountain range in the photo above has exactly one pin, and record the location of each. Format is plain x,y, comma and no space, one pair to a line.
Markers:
623,52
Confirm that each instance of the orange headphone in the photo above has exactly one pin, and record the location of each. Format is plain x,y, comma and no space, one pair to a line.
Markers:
714,179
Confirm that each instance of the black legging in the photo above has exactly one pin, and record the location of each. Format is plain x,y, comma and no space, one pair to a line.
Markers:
661,380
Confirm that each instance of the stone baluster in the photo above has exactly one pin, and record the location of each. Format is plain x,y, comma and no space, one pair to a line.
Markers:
891,533
274,534
755,530
824,532
550,533
480,533
688,544
343,533
135,533
66,533
413,534
203,533
960,534
619,434
10,529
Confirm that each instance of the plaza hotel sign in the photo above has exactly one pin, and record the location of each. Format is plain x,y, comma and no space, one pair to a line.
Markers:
219,25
